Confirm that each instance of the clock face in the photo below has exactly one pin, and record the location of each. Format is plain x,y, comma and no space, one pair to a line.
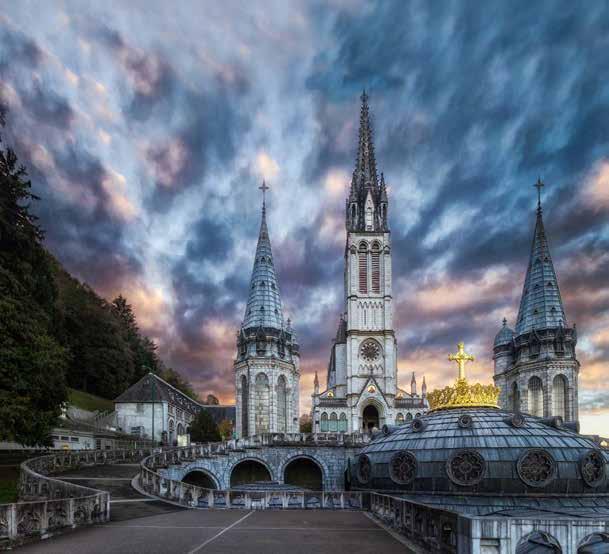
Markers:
371,350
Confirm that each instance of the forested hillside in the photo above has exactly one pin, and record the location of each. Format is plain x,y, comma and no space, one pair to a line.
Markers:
56,332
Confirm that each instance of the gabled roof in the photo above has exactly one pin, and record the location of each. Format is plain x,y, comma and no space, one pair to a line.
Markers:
541,305
264,307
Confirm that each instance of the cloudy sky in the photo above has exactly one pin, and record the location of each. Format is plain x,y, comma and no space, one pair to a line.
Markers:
147,126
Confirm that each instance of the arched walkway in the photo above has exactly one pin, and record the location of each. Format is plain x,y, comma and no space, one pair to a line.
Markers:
305,473
200,479
249,471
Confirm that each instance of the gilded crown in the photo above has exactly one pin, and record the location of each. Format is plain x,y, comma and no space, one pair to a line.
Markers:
462,394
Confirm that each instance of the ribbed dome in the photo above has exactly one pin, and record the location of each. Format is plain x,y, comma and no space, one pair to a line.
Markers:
482,451
505,335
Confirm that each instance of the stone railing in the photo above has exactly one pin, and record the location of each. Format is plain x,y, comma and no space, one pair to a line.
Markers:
305,439
433,529
49,505
193,496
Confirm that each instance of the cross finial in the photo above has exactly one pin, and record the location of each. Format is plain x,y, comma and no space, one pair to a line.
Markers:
263,188
461,357
539,185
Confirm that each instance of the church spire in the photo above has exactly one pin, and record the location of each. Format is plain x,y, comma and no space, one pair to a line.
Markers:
264,307
541,304
365,174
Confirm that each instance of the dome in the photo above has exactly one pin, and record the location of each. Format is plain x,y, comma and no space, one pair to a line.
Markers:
482,451
505,335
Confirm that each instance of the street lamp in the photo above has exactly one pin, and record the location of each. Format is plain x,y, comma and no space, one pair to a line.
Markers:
153,385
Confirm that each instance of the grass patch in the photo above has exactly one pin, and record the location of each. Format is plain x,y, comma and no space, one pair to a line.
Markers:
86,401
8,491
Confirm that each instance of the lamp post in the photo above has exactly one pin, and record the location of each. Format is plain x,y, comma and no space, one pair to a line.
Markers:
153,386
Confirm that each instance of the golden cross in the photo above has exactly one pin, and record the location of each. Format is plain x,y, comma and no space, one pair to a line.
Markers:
461,358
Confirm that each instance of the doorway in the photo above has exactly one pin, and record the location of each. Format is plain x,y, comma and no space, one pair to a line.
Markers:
370,418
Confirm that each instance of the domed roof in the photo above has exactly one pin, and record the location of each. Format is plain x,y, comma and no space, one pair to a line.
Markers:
478,451
505,334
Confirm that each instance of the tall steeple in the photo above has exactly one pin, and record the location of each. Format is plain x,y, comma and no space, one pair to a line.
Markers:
541,304
264,307
367,201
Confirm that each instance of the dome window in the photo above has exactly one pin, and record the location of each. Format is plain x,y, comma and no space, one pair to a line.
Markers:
403,468
466,467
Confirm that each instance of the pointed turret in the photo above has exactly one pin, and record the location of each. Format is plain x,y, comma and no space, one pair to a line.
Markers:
541,305
424,388
413,385
264,307
316,385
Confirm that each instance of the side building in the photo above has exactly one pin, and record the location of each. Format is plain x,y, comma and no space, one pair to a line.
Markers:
362,390
267,364
536,366
154,408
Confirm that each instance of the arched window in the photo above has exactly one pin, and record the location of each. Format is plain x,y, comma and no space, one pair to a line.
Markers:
515,398
262,404
408,416
538,542
536,396
363,268
180,429
376,267
244,406
324,422
559,396
333,422
597,543
282,408
399,419
342,423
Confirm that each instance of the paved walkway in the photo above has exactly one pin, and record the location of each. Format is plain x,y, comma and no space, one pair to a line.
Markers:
139,525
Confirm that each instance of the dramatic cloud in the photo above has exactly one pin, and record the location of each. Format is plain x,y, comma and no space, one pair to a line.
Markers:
147,133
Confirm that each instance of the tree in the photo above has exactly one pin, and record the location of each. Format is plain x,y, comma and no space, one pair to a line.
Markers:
176,380
225,429
211,400
306,423
204,428
32,363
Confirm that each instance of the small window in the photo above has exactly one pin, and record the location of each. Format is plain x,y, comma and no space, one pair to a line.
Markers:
65,438
74,439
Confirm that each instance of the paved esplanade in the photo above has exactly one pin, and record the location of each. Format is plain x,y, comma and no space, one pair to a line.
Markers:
139,524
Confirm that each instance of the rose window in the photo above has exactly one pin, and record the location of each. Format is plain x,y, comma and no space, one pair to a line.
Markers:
371,350
592,467
466,467
403,468
364,468
536,468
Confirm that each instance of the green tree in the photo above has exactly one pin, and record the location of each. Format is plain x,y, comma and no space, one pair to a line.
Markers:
176,380
204,428
306,423
32,363
225,428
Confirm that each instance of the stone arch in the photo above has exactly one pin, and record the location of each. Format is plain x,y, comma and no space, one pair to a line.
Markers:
262,403
538,542
408,416
250,469
282,404
535,396
595,543
333,422
367,414
320,463
560,396
201,478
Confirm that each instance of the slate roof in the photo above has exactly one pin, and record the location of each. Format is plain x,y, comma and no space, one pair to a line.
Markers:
142,391
264,307
505,335
542,507
496,440
541,305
